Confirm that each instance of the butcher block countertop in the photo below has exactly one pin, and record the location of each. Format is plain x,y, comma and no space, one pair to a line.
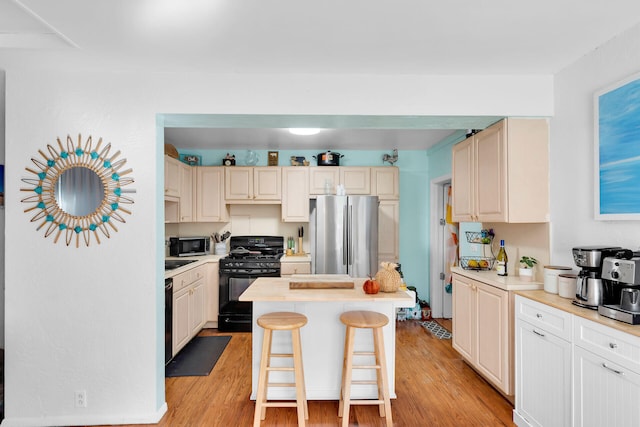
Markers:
565,304
506,283
277,289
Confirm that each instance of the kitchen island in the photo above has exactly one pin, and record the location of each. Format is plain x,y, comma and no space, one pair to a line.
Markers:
323,336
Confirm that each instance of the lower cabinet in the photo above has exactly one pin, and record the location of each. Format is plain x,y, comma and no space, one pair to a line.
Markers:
212,296
543,365
289,268
188,306
571,371
481,330
606,394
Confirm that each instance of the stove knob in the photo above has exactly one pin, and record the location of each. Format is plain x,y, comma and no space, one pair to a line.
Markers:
615,275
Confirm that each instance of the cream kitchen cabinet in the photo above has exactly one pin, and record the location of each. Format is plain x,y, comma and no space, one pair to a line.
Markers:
289,268
501,174
171,177
389,231
253,184
481,330
188,306
209,195
543,365
323,177
606,376
212,294
186,193
355,179
385,182
295,194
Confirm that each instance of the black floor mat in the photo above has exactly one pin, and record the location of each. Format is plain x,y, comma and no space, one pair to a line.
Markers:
198,357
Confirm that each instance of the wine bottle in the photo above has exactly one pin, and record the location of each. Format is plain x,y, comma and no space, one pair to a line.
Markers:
501,260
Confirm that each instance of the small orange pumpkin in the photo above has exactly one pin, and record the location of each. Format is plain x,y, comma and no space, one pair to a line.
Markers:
371,286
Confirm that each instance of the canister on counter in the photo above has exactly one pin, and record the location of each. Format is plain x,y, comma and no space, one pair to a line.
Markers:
567,285
551,273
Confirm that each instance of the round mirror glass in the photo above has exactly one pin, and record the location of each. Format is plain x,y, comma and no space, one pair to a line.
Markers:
79,191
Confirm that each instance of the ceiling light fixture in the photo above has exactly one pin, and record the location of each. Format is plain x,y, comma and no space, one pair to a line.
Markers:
304,131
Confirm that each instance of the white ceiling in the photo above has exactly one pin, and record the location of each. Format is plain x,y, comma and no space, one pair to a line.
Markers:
328,36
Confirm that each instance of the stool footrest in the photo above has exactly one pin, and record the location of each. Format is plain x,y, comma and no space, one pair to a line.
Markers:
281,355
273,404
279,368
366,402
364,353
366,366
364,382
281,384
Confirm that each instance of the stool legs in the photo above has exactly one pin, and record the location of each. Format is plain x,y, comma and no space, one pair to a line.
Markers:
263,379
383,378
301,394
384,400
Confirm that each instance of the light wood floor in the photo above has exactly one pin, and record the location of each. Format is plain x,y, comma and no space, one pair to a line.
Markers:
434,388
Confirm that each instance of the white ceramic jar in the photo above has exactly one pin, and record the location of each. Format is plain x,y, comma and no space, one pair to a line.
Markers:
567,285
551,273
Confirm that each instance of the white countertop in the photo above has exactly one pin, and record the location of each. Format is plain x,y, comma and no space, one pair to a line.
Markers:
200,260
507,283
277,289
296,258
565,304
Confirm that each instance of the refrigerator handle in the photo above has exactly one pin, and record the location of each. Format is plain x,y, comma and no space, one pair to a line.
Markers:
351,236
345,235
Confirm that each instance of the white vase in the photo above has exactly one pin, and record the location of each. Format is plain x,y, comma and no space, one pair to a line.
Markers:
526,274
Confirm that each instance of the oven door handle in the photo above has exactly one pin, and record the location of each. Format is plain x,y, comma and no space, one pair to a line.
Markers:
227,320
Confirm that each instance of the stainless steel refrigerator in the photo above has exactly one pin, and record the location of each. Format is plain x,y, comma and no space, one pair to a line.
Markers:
344,235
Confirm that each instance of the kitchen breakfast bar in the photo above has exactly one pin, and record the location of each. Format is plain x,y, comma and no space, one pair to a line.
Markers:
323,335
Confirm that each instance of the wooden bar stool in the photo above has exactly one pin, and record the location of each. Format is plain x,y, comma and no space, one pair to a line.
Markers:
364,320
281,321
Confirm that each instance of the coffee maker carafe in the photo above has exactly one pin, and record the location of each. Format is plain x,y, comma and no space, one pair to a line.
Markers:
591,291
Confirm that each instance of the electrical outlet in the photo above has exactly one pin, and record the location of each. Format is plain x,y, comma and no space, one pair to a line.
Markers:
81,398
474,249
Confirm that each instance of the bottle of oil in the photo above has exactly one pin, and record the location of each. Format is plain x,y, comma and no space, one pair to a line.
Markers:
501,260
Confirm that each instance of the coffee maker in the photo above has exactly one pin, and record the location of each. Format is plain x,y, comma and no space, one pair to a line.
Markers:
591,290
624,275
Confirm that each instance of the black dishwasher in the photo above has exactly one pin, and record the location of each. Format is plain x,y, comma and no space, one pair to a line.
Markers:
168,319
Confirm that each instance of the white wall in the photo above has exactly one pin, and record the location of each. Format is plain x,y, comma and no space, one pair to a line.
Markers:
572,150
88,318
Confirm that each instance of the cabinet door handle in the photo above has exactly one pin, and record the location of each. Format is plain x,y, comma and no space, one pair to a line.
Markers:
539,316
613,345
616,371
538,333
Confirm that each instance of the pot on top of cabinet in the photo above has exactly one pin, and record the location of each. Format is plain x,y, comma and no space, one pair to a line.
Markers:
328,158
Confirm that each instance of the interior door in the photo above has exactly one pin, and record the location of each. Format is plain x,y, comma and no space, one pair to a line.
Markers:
449,250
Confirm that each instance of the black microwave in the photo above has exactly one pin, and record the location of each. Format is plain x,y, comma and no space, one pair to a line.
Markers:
189,246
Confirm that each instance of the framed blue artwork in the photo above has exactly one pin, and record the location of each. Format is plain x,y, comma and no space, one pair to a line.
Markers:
617,151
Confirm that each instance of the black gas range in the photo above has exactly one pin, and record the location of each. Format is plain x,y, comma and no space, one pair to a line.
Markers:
249,257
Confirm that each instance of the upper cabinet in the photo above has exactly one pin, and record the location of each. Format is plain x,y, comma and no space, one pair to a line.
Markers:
295,194
323,179
171,177
501,174
357,180
253,184
209,195
385,182
186,193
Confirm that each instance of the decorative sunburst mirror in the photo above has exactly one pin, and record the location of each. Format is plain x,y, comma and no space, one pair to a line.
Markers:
77,190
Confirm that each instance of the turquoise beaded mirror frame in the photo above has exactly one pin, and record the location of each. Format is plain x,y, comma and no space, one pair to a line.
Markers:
77,190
